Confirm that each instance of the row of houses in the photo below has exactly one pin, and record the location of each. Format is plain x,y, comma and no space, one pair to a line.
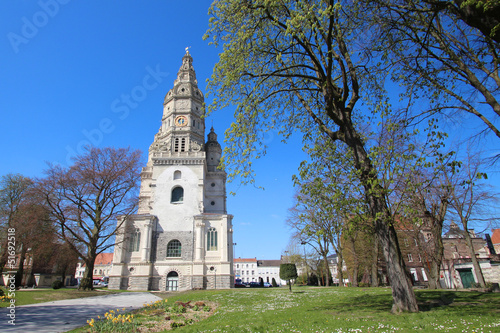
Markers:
457,270
253,270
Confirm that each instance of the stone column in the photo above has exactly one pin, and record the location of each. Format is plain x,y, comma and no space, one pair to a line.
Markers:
200,244
146,241
120,241
225,240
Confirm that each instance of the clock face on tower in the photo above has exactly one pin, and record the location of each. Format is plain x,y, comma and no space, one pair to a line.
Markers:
181,121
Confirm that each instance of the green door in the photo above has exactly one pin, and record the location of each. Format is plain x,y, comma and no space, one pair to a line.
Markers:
467,277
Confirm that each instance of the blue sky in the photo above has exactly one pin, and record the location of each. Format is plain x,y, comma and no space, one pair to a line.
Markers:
67,67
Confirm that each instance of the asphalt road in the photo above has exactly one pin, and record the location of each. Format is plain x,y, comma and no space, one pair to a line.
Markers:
65,315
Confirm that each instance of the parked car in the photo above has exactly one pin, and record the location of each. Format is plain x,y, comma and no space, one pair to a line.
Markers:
254,285
267,285
239,285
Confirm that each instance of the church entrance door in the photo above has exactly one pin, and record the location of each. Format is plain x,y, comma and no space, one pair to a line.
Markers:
172,281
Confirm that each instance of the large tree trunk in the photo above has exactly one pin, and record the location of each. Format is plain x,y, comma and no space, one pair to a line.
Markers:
87,281
475,263
20,269
436,244
434,276
402,291
374,277
325,258
355,266
340,267
437,252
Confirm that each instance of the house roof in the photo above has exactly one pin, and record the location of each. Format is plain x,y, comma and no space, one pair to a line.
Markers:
104,259
454,232
269,263
245,260
495,236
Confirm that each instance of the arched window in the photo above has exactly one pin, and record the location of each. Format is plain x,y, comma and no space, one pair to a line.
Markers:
172,281
177,174
212,239
174,248
177,194
135,240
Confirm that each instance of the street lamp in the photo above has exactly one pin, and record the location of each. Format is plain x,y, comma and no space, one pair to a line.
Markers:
305,258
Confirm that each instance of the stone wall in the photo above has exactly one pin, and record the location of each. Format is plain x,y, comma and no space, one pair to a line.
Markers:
186,239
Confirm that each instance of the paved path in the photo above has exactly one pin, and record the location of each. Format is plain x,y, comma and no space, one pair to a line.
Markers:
65,315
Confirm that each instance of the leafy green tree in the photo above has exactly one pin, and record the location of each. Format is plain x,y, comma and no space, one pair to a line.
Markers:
288,272
273,283
291,66
86,200
329,195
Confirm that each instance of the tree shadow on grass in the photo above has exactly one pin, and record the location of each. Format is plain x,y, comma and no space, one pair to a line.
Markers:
369,303
461,302
465,302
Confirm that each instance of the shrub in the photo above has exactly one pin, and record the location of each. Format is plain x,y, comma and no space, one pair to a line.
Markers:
273,283
175,324
57,284
288,272
177,309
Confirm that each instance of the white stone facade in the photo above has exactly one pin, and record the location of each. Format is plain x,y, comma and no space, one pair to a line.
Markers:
181,237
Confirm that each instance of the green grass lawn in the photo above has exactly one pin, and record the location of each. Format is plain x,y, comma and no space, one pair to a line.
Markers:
336,310
25,297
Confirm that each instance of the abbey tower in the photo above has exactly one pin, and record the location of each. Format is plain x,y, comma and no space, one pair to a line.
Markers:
181,237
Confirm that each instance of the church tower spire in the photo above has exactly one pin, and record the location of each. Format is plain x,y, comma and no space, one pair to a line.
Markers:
181,231
182,128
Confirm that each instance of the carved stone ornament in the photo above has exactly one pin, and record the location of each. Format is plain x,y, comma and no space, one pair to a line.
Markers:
195,146
183,90
164,146
155,146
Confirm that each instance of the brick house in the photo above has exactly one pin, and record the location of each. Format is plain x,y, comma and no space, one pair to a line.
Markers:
457,270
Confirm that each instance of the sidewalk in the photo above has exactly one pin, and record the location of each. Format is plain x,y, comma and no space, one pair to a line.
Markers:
65,315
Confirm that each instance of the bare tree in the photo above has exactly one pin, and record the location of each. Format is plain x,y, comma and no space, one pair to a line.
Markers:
471,201
86,199
444,54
